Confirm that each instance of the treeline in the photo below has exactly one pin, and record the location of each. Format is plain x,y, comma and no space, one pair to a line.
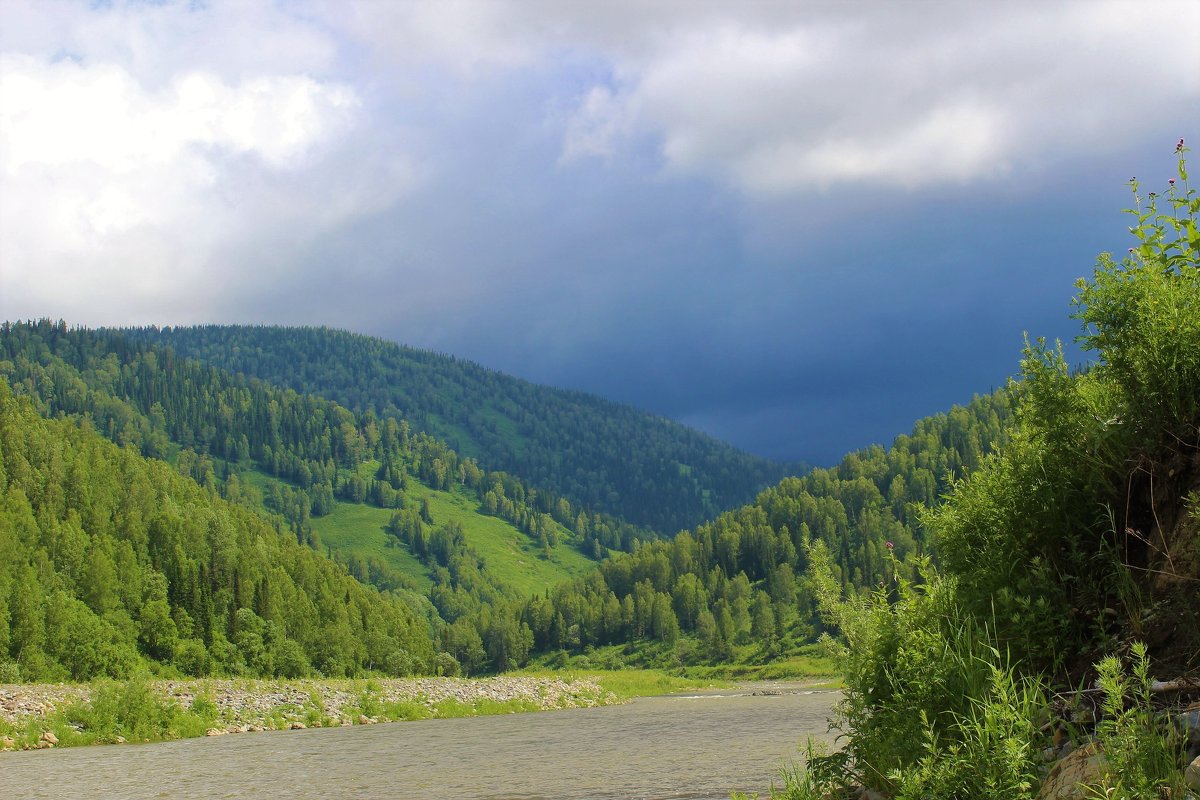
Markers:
741,579
112,561
138,395
573,444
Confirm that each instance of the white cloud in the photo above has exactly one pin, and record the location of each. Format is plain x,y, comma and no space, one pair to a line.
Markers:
152,156
943,92
597,127
148,193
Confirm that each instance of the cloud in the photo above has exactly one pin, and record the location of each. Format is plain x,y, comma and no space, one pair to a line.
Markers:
127,197
665,202
954,93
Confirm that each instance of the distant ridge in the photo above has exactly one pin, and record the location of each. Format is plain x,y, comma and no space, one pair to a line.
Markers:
611,457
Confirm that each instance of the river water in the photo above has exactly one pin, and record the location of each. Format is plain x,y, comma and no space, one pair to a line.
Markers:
696,747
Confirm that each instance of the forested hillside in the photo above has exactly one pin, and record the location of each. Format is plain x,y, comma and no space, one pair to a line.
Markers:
111,561
736,582
742,579
324,453
595,453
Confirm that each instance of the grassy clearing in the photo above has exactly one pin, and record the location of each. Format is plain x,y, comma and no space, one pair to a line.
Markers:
354,528
512,558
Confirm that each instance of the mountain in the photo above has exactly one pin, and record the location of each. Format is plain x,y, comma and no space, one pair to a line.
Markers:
496,558
739,584
595,453
112,561
397,508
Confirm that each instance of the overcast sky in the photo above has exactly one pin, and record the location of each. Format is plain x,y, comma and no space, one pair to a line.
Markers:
799,226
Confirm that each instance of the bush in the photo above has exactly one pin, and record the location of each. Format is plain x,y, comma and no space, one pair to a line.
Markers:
1035,545
1144,751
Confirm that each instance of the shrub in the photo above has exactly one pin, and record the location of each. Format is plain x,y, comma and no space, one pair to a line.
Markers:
1143,751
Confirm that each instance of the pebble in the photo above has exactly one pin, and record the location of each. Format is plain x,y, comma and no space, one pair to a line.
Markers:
257,705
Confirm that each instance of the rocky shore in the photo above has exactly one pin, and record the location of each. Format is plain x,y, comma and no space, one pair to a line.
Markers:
241,706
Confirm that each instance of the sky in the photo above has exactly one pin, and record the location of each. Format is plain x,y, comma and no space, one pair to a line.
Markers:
798,226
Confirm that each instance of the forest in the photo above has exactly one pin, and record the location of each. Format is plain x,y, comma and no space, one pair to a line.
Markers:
570,443
291,458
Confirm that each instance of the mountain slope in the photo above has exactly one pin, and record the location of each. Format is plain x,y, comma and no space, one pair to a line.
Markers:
111,561
740,583
596,453
385,495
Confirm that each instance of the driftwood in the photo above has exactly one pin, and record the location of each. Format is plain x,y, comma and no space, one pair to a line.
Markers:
1177,685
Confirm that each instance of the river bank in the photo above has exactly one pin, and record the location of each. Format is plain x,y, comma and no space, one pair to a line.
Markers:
700,745
47,715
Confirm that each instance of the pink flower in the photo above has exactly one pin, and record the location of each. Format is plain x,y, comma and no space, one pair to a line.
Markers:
890,546
1171,182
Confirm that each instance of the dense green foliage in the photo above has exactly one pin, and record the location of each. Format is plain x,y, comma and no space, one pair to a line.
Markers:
573,444
136,394
1081,539
741,579
114,562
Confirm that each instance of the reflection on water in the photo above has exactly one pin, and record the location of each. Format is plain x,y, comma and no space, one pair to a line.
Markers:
697,747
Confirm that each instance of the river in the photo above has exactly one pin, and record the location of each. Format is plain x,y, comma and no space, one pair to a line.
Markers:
696,747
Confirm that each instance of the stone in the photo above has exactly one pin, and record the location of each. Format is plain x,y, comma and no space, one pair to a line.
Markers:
1188,721
215,732
298,726
1191,775
1066,779
49,738
7,743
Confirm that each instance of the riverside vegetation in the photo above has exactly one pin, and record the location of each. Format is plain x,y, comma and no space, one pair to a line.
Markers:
142,710
1069,572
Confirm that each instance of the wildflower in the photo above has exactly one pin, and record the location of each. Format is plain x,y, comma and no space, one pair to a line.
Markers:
890,546
1171,181
1179,146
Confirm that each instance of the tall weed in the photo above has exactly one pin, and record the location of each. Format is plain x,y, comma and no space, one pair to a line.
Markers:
1143,751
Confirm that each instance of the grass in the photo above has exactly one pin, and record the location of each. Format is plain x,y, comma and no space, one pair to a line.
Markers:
116,712
802,662
354,528
137,710
792,668
512,558
626,684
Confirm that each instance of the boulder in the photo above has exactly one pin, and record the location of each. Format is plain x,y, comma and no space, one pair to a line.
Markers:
1082,767
48,738
1191,775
